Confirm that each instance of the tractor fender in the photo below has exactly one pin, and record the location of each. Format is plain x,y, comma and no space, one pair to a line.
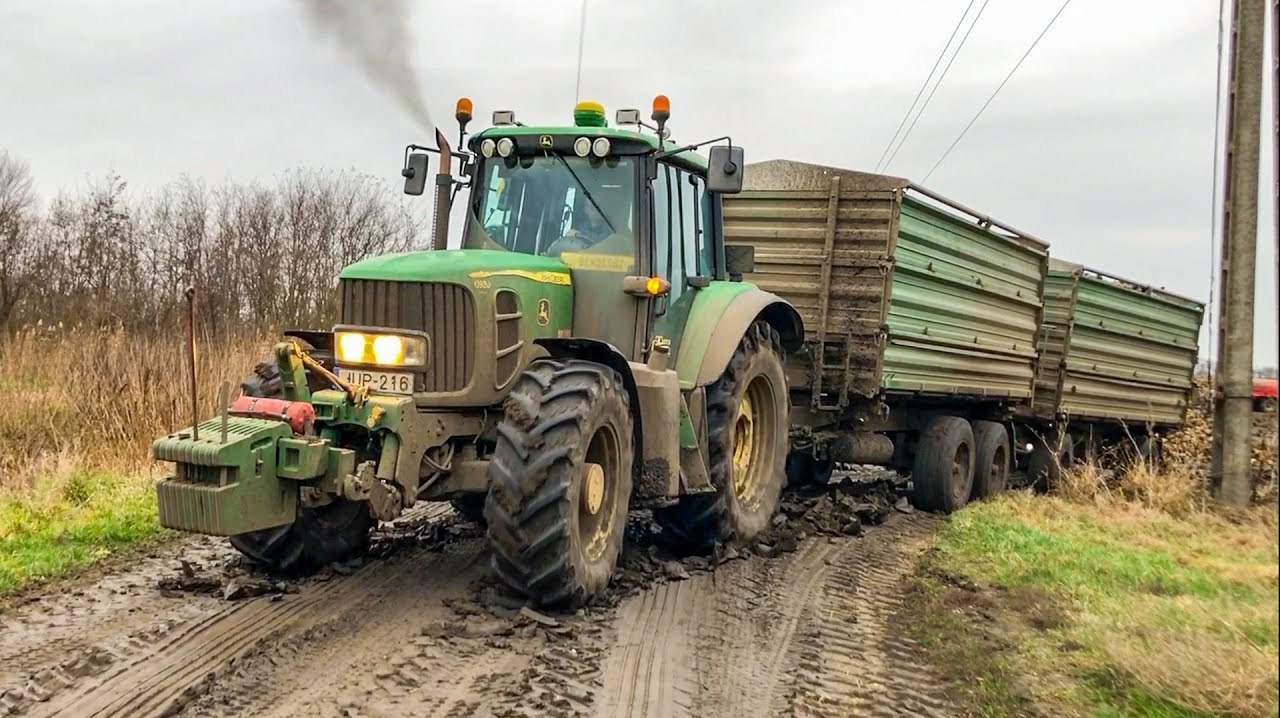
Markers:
601,352
720,316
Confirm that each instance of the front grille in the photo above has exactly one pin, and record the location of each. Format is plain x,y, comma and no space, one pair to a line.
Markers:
446,312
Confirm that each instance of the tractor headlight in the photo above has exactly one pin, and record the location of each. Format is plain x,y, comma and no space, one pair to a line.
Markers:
381,349
488,147
600,147
506,146
582,146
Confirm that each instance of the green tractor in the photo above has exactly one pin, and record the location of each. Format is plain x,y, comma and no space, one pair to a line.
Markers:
590,349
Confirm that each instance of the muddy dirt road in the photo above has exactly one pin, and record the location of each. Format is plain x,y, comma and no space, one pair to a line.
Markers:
801,626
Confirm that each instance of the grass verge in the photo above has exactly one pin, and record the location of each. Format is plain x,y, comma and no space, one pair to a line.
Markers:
67,522
1042,605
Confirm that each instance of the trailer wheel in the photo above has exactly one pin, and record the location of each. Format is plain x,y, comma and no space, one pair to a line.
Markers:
1049,456
991,469
747,439
942,476
804,469
470,507
1151,450
560,481
320,535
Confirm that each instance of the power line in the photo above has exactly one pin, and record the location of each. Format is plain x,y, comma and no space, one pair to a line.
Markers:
998,89
941,77
1213,196
924,85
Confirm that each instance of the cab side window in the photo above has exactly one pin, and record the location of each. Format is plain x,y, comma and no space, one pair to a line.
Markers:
668,229
682,228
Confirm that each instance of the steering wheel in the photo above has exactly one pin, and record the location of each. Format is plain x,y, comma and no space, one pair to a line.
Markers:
569,243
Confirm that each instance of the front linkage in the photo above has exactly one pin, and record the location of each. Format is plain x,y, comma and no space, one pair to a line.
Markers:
271,466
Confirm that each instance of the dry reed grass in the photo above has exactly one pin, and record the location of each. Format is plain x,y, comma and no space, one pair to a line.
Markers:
96,399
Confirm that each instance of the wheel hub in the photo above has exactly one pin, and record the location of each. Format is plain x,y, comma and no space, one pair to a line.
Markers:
743,444
593,489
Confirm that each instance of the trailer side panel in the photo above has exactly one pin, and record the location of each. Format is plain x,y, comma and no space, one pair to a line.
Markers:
1131,353
964,308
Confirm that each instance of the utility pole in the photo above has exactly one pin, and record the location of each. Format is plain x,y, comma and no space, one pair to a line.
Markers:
1232,415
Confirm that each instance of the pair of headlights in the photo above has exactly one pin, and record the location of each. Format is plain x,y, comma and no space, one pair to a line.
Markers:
381,349
582,147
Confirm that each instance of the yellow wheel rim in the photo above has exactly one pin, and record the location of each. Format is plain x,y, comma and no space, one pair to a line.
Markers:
593,489
743,445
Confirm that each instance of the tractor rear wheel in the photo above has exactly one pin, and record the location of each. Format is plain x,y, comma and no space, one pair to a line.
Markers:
942,476
335,532
991,472
747,441
560,481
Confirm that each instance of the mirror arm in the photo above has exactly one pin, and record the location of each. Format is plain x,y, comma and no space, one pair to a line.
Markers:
465,154
694,146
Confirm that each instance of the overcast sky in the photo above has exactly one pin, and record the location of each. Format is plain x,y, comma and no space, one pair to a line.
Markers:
1101,144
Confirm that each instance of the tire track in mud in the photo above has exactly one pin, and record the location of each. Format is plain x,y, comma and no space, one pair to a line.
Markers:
808,635
125,647
852,660
308,672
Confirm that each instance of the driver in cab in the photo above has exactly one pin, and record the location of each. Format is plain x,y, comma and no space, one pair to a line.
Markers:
607,217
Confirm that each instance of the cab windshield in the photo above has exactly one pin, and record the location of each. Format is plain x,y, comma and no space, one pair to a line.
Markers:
552,204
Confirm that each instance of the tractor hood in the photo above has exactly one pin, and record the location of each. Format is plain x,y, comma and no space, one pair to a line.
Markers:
481,310
460,266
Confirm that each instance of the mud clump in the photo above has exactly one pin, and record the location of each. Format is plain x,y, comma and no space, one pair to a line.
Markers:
842,508
422,532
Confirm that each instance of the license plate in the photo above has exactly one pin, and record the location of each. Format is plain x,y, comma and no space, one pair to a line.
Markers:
380,382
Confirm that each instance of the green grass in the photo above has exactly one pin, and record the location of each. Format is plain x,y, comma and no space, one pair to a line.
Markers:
61,525
1166,616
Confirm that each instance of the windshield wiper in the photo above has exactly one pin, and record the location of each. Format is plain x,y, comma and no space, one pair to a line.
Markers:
586,192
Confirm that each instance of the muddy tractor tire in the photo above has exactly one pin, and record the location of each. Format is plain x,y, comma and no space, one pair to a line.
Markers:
942,475
991,469
747,443
320,535
560,482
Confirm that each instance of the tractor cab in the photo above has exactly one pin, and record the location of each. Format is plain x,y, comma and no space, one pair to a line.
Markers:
618,206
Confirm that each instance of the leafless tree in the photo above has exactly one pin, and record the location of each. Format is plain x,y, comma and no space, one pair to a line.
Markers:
260,256
17,201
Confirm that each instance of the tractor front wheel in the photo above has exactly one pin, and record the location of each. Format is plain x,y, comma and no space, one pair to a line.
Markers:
747,441
560,481
319,536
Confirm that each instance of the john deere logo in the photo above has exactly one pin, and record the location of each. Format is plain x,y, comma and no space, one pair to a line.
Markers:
545,142
544,312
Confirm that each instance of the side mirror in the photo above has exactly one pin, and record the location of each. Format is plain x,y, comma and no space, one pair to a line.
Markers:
724,169
415,174
739,259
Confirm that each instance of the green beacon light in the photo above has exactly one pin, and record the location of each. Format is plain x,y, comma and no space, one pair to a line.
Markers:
589,113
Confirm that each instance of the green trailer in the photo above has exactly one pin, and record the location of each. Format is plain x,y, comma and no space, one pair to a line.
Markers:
1117,361
921,319
948,344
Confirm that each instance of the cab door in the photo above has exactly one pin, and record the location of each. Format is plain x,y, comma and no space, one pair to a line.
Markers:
683,250
601,309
